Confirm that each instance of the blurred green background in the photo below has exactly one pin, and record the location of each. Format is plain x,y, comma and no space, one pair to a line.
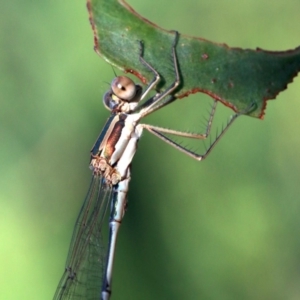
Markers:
225,228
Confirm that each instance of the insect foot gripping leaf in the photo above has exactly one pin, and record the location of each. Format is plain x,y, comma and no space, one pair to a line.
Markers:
236,77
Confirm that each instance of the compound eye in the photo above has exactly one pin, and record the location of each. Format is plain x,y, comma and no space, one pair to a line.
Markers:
123,87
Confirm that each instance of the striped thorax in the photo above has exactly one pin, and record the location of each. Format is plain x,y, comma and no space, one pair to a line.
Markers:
116,145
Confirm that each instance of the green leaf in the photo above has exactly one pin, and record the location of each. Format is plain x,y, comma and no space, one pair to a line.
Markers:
236,77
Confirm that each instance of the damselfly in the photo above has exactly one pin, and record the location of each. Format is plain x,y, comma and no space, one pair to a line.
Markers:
88,273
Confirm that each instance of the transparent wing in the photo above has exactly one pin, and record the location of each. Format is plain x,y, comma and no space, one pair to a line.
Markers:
85,264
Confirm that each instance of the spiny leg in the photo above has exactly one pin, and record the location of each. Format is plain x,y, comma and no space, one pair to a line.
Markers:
150,104
160,105
192,135
156,77
190,153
